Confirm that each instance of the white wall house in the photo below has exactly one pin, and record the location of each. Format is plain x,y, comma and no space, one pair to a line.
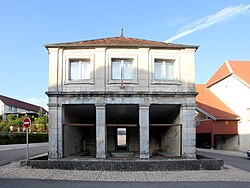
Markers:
13,106
231,84
144,87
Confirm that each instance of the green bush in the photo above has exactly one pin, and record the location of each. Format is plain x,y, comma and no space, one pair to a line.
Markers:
4,127
20,138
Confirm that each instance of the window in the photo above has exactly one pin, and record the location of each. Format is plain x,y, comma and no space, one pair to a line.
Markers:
122,69
79,69
163,69
248,114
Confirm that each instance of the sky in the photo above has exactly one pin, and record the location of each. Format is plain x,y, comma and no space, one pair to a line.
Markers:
221,29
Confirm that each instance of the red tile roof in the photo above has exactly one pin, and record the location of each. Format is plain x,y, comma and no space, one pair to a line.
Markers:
208,102
119,42
20,104
239,68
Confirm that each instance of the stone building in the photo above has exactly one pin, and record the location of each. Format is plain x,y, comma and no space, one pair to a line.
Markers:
105,89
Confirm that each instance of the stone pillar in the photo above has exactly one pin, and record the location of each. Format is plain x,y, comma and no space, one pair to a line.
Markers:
101,132
55,131
144,131
187,119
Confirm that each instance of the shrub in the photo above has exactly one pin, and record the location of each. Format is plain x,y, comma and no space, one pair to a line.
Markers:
20,138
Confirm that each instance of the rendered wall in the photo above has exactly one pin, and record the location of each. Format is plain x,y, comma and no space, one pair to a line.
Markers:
78,139
171,140
226,142
73,140
235,95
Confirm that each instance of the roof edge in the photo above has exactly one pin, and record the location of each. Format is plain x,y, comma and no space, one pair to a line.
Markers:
160,44
209,85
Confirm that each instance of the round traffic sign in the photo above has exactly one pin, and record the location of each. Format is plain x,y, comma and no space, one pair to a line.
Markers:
26,122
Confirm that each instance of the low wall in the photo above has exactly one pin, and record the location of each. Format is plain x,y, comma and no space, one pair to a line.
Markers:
133,165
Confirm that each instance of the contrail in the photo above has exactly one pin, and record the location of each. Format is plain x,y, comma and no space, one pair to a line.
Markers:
210,20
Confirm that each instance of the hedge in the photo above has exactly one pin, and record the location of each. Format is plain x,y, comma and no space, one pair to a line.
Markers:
20,138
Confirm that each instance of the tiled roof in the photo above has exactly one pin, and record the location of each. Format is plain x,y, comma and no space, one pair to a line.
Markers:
209,103
119,42
20,104
239,68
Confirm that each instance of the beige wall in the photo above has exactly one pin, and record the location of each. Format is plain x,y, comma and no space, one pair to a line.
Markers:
101,69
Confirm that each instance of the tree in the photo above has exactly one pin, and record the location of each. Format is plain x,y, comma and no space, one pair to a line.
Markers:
15,121
41,121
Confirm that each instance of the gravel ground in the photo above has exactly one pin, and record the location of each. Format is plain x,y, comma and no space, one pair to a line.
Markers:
229,173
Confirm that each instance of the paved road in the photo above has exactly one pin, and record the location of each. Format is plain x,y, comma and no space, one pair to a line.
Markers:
15,152
235,159
27,183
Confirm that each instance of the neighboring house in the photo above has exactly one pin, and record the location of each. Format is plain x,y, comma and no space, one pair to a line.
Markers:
231,86
217,124
13,106
100,89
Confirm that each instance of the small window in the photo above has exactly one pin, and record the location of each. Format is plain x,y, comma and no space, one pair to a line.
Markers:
122,69
163,69
248,114
79,69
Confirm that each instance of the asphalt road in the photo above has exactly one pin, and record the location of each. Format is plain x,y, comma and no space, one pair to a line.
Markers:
15,152
30,183
238,161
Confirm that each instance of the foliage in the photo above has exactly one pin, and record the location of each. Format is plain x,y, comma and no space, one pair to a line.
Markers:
38,124
41,121
4,127
15,121
20,138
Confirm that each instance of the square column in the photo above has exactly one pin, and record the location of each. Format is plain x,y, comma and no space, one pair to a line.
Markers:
144,131
55,131
101,133
187,119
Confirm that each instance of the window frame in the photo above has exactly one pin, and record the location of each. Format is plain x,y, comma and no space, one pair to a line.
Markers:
70,59
80,70
133,58
122,62
176,70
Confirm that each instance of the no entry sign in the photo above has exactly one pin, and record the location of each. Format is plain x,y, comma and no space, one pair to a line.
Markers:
26,122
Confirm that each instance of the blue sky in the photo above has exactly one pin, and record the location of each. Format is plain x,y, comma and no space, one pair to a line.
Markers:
220,28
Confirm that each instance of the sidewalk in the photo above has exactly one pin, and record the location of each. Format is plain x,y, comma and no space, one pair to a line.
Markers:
229,173
226,152
20,146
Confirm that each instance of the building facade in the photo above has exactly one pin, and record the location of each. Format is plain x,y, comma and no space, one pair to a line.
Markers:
13,106
231,85
217,124
104,88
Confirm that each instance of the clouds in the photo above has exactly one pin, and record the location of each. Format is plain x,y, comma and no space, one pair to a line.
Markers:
210,20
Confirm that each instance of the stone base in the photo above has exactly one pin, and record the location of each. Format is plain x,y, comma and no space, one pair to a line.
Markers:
127,165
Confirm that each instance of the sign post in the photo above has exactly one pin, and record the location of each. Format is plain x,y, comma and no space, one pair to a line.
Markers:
26,124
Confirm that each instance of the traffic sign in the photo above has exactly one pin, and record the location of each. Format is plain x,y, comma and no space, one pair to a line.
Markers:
26,122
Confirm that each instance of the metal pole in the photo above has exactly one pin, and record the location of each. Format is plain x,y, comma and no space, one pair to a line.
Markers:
27,146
